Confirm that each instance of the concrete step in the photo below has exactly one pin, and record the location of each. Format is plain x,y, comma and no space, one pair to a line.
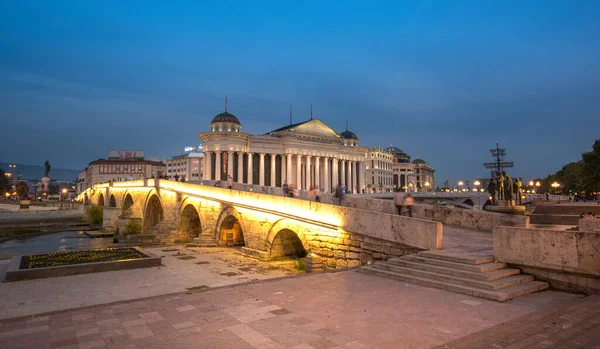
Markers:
203,241
481,284
455,265
486,275
458,257
497,295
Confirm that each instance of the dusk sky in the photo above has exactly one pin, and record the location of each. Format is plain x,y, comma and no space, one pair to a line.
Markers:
443,80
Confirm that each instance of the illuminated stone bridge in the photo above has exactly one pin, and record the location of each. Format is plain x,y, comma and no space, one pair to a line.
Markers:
266,226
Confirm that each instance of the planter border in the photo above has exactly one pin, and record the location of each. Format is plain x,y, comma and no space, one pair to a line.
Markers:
14,273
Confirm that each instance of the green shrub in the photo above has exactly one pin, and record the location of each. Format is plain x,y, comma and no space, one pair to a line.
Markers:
133,227
95,214
300,263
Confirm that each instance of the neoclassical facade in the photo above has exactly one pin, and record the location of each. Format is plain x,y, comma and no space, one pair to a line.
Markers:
410,176
305,155
379,170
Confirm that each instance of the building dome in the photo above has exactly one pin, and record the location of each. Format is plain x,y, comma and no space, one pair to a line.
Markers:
226,117
348,135
395,151
419,161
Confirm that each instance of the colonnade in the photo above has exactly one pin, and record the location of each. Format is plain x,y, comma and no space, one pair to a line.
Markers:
300,171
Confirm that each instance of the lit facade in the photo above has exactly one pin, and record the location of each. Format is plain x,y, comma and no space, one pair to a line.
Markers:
379,170
185,167
305,154
410,176
102,171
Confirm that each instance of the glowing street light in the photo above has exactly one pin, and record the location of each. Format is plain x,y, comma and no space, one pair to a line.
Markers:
427,185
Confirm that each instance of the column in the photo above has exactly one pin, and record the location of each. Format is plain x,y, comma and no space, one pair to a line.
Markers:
261,169
288,168
218,166
343,165
361,176
354,179
326,188
230,164
250,168
307,176
240,167
273,177
317,174
334,174
283,169
298,172
206,173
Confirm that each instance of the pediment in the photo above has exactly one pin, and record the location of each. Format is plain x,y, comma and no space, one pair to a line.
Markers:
315,128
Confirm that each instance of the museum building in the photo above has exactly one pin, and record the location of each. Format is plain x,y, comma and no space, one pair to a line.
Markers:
306,154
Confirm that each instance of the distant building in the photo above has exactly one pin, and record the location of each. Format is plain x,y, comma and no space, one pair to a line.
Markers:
379,170
410,176
119,169
187,166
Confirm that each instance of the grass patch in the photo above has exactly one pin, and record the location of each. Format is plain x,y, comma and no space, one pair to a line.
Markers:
79,257
197,288
186,257
300,264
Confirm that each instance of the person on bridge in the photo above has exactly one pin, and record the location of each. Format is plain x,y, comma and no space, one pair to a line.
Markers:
339,193
230,182
399,201
409,202
286,189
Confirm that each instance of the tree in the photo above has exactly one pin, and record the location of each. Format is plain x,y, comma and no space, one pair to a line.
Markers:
4,183
22,190
591,168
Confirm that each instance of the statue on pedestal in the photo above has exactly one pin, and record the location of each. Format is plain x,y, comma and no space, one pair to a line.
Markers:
492,187
500,181
47,168
508,187
519,191
46,179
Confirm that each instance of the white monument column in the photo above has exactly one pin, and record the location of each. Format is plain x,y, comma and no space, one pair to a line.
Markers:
361,176
354,179
307,176
240,167
326,179
299,172
218,166
230,164
343,175
261,169
250,168
283,169
334,174
206,173
273,169
317,174
288,168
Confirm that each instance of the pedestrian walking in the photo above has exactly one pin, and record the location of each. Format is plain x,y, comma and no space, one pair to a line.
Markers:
409,202
399,201
230,182
317,194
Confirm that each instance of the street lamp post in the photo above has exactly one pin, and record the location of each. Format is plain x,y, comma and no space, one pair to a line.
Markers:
460,185
538,184
478,183
556,185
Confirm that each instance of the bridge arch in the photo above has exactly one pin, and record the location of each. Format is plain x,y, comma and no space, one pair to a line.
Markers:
127,202
101,199
112,202
189,222
285,239
230,222
153,212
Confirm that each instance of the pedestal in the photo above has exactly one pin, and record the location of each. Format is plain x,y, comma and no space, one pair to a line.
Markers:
45,185
24,206
506,206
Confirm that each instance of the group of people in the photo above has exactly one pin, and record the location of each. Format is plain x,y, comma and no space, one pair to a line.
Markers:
404,203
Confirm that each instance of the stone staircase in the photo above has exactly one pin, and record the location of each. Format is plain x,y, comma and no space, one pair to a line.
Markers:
204,241
472,274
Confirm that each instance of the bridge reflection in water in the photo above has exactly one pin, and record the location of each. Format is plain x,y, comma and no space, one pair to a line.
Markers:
264,225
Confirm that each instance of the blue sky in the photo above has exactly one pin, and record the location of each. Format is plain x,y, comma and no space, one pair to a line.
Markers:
441,80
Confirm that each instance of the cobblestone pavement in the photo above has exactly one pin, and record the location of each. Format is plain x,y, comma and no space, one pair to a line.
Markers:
327,310
569,326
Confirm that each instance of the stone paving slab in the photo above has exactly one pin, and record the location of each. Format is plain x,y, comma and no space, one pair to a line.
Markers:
210,267
330,310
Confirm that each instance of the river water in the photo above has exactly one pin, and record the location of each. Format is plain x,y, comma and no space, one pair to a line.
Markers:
61,241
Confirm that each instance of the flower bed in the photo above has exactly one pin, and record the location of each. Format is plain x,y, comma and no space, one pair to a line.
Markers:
79,257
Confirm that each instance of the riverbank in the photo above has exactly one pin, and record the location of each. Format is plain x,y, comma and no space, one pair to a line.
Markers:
14,224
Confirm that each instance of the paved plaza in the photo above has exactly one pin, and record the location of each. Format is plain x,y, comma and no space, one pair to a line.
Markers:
342,309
